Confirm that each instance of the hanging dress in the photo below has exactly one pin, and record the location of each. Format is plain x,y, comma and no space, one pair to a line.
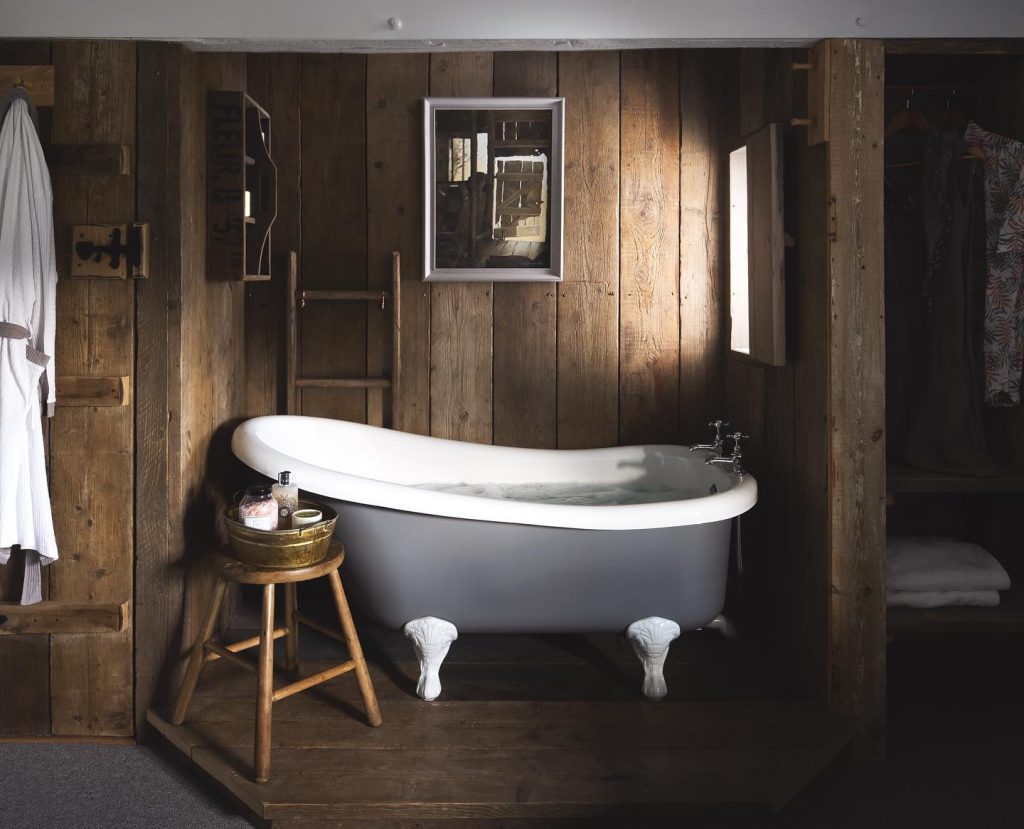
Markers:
28,288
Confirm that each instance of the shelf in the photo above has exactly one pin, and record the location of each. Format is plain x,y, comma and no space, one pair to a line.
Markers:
1007,618
907,479
343,382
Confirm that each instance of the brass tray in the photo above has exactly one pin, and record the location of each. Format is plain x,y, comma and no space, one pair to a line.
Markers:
280,549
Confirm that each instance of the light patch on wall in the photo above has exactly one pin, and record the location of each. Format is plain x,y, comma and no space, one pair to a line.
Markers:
739,290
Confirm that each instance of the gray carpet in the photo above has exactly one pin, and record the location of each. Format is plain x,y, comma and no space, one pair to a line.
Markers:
61,786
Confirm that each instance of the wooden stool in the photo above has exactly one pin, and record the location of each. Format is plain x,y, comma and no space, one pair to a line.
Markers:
206,650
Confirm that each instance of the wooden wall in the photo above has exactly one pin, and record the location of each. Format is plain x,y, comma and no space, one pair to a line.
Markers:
81,684
627,349
191,329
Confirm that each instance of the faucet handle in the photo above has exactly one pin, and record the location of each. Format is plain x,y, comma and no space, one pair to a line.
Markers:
736,437
717,426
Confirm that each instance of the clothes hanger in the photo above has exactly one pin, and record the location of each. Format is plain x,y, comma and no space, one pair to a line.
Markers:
952,118
907,120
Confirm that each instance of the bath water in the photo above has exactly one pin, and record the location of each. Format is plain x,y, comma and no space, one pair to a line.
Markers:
578,494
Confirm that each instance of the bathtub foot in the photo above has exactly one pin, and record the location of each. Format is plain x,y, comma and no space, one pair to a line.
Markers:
431,637
651,638
723,626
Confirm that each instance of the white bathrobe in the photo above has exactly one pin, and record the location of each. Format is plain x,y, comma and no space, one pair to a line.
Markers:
28,288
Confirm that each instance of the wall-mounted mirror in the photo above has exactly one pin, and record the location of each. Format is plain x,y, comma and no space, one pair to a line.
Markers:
757,293
493,189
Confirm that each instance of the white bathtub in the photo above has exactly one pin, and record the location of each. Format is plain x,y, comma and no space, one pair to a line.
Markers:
434,562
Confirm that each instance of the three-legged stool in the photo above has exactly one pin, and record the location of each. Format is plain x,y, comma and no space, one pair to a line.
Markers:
206,650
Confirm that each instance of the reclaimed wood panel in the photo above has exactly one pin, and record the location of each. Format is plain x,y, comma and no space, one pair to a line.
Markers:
856,372
159,577
766,246
703,212
461,314
395,87
63,617
274,82
333,339
588,304
92,477
212,347
525,315
24,660
649,248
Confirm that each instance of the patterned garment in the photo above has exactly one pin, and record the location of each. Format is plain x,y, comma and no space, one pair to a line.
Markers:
1004,294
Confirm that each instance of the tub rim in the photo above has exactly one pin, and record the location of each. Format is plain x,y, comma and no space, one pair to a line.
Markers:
249,445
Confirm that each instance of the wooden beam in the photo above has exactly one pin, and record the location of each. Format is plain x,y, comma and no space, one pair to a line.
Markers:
856,394
38,81
93,391
89,159
64,617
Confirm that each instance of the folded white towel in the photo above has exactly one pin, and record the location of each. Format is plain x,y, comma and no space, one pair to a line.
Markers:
937,564
943,598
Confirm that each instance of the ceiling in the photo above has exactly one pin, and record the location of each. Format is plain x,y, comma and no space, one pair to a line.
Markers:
418,25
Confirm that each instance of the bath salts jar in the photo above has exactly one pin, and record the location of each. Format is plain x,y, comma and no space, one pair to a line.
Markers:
258,508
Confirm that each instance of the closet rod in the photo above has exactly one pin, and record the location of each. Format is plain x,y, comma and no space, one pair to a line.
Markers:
930,86
918,164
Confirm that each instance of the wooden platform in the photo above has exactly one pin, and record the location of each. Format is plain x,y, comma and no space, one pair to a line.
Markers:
561,738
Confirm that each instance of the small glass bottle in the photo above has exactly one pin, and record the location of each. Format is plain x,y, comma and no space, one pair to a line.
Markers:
287,496
258,508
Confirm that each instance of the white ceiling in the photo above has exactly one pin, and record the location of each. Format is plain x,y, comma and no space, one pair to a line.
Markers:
363,25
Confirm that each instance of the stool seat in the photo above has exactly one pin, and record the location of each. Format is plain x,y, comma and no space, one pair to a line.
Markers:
230,569
245,573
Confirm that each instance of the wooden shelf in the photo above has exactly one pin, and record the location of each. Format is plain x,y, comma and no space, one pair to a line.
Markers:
907,479
346,296
1006,618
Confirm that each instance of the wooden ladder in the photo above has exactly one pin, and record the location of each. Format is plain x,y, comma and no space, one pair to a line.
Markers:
375,386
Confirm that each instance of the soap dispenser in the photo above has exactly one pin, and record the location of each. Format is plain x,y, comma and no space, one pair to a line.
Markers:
287,496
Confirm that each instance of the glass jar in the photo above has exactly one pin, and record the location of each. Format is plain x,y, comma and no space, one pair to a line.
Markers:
258,508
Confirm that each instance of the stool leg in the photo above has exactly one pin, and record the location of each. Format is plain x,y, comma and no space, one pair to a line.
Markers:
348,627
265,687
198,657
291,643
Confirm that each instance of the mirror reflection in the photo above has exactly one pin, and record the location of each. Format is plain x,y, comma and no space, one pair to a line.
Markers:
492,185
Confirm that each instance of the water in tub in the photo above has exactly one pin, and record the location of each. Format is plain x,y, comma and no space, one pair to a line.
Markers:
581,494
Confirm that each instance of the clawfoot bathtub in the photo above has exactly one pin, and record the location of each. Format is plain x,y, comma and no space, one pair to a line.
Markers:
443,536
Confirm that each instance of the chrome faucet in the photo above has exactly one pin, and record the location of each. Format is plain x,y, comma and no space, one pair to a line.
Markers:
735,460
715,447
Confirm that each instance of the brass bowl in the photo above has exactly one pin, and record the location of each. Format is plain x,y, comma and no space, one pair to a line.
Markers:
279,549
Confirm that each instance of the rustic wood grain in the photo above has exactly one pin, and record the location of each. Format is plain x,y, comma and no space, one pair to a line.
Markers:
24,660
274,82
89,159
525,315
588,305
159,581
766,246
649,249
38,81
92,448
333,338
395,87
212,348
481,758
94,391
461,314
856,372
63,617
703,197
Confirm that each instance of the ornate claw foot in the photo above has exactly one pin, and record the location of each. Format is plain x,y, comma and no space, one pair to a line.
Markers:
651,638
431,637
723,626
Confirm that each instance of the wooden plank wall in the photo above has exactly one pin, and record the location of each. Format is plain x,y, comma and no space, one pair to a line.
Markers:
81,684
619,352
192,358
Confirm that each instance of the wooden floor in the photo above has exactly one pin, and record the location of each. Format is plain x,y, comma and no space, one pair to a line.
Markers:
537,731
